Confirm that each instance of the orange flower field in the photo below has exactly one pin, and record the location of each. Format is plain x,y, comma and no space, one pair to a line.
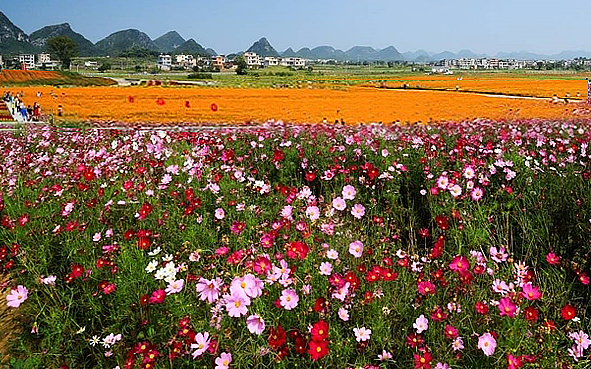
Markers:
19,76
353,105
502,84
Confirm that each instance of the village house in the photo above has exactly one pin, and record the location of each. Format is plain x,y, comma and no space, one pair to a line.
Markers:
164,62
28,60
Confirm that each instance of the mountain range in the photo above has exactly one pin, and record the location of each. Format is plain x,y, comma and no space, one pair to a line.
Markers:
14,41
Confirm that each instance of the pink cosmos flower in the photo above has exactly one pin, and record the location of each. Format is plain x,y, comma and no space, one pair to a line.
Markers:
220,213
50,280
255,324
426,287
325,268
289,299
175,287
356,248
344,314
236,304
202,344
313,212
421,324
531,292
248,285
455,190
223,361
487,344
339,204
457,344
507,307
499,255
358,211
349,192
209,290
477,194
442,366
459,264
385,355
362,334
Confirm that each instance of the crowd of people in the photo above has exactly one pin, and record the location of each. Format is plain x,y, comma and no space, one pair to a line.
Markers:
19,110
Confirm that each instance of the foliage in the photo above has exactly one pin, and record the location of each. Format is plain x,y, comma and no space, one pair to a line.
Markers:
104,67
200,76
435,238
242,67
64,48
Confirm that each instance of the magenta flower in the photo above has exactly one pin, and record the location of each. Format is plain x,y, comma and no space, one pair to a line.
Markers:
507,307
289,299
220,213
209,290
358,211
487,344
531,292
202,341
17,296
356,248
223,361
325,268
255,324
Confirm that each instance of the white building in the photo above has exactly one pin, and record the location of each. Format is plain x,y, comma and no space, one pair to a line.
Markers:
186,61
28,60
164,62
91,64
1,63
43,58
270,61
293,62
252,59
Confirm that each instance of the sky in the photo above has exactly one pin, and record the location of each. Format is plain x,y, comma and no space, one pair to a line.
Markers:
482,26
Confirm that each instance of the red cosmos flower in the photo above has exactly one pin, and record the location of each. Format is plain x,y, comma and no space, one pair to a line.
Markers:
319,331
531,314
157,297
318,349
300,345
320,304
437,249
568,312
278,155
583,277
109,289
451,332
373,275
76,270
481,308
89,175
297,249
424,361
144,211
388,274
276,337
426,287
442,222
414,339
143,242
438,315
424,232
459,264
310,176
213,107
160,101
353,280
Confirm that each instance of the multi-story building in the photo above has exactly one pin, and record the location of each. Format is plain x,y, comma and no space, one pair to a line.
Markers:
252,60
270,61
1,63
186,61
164,62
28,60
219,61
293,62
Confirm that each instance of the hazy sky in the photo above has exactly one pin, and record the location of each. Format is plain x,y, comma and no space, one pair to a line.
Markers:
483,26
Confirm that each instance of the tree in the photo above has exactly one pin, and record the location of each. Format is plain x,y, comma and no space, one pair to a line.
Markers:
64,48
104,67
242,66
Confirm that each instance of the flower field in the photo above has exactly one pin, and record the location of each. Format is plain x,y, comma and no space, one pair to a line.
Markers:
174,105
450,246
36,77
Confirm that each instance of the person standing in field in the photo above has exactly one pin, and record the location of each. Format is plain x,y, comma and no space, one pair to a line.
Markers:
36,112
23,111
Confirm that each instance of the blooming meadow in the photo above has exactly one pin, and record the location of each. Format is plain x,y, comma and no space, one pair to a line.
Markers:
452,246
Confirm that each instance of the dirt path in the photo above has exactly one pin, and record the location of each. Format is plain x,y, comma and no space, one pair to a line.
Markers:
7,325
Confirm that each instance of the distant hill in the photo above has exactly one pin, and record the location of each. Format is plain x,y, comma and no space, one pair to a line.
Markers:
390,54
12,39
211,51
169,41
263,48
191,47
288,53
120,41
39,38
